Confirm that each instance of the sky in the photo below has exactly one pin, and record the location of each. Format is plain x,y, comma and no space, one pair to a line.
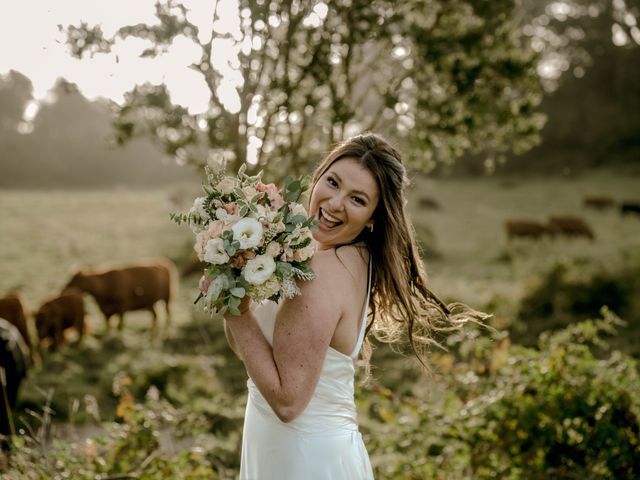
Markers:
33,45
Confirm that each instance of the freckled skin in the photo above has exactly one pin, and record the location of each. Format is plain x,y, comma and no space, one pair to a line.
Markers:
308,324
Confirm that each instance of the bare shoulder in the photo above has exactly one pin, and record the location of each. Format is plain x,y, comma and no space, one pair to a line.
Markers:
337,267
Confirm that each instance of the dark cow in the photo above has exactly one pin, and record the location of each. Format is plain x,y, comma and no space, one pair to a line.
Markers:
570,226
14,310
14,363
429,203
58,314
598,202
631,208
526,229
135,287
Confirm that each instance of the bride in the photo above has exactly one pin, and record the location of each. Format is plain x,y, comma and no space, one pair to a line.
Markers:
300,422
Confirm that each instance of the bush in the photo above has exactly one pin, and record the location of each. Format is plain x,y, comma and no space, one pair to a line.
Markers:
511,412
562,297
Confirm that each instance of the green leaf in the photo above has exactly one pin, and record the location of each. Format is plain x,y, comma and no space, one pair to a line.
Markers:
244,210
293,195
297,219
238,292
283,268
302,244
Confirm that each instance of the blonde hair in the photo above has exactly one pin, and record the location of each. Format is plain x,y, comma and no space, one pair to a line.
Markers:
401,305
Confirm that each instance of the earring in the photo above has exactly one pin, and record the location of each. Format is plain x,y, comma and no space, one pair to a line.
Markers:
371,228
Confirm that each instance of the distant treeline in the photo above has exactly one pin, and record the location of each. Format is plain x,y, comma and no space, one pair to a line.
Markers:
67,145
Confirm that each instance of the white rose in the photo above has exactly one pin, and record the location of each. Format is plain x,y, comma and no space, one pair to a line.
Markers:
248,231
226,185
217,286
258,270
214,252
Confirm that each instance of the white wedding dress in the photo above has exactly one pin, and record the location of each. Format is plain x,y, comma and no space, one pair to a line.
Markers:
323,443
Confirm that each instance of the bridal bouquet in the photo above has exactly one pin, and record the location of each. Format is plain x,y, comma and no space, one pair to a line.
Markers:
254,238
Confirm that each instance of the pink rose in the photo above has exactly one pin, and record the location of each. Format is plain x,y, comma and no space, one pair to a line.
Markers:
231,208
215,229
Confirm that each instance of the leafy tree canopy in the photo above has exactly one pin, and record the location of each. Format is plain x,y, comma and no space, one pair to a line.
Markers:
441,77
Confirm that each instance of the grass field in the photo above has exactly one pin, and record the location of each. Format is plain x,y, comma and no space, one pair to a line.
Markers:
45,235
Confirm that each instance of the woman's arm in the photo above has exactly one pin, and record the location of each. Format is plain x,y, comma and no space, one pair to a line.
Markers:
230,339
287,373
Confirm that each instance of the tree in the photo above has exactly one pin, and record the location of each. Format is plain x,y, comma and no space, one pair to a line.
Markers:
442,77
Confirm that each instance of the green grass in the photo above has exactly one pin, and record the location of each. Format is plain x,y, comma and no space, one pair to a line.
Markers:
477,264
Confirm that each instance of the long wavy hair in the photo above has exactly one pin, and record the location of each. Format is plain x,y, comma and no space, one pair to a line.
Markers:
401,306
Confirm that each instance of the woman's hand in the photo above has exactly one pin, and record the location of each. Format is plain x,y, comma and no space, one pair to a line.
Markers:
243,307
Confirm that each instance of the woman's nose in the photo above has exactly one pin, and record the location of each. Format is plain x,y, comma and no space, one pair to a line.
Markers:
335,203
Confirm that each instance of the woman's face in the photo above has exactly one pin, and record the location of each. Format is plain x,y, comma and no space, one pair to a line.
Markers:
343,202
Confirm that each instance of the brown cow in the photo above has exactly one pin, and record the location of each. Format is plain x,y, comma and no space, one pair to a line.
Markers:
571,226
61,313
136,287
429,203
598,202
526,229
14,310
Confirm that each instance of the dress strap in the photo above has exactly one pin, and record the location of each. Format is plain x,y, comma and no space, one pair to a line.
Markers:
363,327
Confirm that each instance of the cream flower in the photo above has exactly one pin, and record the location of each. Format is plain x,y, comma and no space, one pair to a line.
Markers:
201,244
249,191
305,253
258,270
215,253
226,185
273,249
248,231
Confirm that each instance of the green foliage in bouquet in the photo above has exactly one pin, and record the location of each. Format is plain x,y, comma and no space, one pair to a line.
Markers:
255,239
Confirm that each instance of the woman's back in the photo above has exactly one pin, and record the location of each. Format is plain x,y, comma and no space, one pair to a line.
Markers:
323,442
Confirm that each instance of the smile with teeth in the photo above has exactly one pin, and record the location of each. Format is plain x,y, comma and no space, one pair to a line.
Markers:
328,219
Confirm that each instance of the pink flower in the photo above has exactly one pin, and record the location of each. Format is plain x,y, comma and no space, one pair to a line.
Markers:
231,208
274,196
215,228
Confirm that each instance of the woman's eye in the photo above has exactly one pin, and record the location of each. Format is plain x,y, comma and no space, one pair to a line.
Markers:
332,182
359,200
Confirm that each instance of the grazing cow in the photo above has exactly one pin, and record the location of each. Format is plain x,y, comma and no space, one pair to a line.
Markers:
59,314
14,363
630,208
429,203
136,287
570,226
526,229
598,202
13,309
